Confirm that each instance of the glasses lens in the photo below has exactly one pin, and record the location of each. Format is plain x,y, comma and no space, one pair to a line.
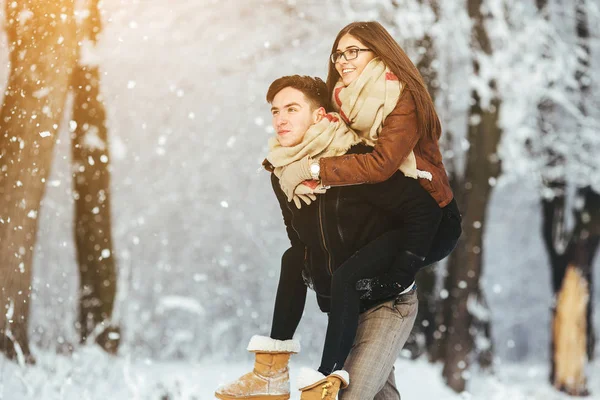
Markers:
335,57
351,54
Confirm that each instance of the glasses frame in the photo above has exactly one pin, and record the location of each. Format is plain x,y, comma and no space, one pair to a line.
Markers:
339,54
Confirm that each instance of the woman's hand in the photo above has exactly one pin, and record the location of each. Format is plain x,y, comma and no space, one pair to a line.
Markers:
294,174
307,192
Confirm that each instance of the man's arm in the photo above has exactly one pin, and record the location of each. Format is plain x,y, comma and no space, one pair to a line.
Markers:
291,290
286,212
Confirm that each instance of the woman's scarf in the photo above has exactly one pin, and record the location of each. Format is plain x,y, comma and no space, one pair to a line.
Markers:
366,102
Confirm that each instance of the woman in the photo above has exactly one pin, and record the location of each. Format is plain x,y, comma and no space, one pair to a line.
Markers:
409,136
407,140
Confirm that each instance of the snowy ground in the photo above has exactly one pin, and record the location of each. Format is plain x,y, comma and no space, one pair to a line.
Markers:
90,374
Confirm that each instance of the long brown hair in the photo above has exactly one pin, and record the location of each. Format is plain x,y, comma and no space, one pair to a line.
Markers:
373,35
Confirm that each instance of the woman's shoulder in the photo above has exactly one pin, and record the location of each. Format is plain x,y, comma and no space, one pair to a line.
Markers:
406,102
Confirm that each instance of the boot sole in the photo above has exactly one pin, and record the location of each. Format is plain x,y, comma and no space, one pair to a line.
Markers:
257,397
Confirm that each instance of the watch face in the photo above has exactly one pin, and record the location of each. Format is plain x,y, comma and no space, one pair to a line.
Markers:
314,168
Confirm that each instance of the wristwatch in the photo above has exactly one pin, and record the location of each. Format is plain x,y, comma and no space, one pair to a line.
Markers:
315,168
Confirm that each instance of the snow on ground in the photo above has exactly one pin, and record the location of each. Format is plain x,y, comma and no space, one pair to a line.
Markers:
90,374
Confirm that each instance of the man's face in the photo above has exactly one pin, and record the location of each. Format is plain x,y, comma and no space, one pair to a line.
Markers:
292,116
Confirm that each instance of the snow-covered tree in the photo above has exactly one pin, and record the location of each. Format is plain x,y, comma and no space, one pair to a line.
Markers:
42,44
91,188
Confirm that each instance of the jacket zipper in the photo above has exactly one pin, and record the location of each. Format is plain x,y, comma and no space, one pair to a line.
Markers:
323,236
292,224
337,217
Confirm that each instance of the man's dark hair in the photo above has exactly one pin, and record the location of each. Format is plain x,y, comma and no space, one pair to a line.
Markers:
314,89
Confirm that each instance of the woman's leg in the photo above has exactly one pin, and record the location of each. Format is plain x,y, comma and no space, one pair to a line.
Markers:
291,296
373,259
448,232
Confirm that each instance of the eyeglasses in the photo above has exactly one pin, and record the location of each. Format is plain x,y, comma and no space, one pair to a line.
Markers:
349,54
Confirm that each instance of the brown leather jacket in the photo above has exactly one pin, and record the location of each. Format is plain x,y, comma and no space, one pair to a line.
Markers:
397,138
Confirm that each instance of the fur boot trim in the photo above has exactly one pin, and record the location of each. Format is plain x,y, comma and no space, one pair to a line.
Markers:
265,344
308,377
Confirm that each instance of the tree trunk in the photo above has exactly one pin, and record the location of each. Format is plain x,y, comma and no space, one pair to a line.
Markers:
583,81
571,253
42,43
91,183
465,304
572,337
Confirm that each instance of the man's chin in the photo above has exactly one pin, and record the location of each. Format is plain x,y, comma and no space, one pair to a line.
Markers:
288,143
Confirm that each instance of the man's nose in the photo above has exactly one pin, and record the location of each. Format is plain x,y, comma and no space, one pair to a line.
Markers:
280,120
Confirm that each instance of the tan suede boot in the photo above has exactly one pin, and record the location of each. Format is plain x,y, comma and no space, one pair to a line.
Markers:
316,386
270,379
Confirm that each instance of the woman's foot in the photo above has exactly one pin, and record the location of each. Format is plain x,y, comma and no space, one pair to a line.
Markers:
316,386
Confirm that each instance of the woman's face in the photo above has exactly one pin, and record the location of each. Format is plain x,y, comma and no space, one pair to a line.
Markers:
350,70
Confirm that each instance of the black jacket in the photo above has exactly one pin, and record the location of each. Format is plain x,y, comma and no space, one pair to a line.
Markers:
340,222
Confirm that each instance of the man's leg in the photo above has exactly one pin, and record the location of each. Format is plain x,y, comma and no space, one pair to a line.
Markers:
382,332
389,390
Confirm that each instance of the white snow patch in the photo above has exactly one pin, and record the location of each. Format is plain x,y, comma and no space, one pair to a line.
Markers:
24,16
118,149
88,54
180,303
92,140
41,93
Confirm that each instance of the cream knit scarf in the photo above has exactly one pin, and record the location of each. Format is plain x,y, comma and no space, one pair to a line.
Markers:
329,137
367,101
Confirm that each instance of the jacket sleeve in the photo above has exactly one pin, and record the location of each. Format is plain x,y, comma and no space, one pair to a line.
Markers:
291,290
287,214
397,139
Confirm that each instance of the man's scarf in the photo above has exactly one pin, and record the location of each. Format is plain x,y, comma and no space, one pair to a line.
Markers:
329,137
366,102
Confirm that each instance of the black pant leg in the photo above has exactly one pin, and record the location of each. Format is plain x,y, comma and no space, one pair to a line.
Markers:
446,238
372,260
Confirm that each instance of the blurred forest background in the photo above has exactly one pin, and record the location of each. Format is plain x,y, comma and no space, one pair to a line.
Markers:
134,214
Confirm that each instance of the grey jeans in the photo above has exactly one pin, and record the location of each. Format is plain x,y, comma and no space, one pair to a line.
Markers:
382,332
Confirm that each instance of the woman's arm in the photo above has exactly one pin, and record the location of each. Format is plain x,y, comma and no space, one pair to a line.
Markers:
397,139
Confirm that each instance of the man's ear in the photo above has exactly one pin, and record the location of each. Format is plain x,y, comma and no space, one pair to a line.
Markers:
318,114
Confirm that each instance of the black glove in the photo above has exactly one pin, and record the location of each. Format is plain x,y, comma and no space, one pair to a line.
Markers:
399,278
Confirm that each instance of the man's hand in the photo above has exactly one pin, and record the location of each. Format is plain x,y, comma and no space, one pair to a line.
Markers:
294,174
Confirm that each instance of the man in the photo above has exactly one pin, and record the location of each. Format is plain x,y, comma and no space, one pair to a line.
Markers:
352,228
